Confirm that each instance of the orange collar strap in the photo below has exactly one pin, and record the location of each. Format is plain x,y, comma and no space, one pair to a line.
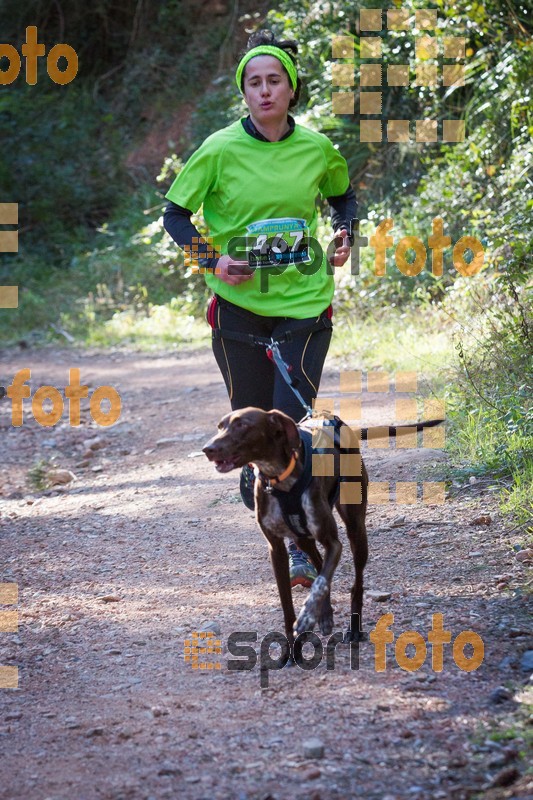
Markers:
270,482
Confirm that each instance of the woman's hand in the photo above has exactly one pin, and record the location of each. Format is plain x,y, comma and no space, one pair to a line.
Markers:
233,272
342,250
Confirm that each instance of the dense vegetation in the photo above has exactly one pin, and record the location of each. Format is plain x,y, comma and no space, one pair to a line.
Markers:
94,263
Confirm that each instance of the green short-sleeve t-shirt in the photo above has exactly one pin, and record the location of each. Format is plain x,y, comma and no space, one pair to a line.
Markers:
241,181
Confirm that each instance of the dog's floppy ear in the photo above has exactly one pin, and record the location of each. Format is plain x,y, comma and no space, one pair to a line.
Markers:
283,425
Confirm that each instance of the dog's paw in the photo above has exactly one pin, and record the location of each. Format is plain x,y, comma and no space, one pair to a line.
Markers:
308,615
355,636
325,622
306,619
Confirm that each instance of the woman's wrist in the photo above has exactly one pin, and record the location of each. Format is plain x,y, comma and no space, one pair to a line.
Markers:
209,264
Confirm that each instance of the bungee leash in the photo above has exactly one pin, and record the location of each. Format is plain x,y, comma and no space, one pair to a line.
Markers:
273,350
271,346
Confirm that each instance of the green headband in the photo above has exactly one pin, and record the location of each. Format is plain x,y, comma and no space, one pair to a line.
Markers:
268,50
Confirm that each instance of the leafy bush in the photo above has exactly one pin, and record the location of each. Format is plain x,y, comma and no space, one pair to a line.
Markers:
63,169
490,400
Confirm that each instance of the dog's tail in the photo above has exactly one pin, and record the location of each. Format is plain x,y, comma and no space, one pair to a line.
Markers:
382,432
328,431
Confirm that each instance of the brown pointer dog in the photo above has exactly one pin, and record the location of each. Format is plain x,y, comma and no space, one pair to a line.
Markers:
271,441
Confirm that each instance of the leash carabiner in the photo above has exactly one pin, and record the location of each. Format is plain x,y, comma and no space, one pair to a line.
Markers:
273,348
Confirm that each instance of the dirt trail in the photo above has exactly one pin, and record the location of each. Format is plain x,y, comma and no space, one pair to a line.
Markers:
148,543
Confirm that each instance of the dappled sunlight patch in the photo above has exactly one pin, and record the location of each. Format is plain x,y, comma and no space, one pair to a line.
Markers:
159,325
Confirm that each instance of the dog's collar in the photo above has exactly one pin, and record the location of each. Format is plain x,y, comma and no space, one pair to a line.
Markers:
269,482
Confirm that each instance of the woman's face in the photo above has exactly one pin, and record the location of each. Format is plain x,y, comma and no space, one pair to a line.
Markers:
267,91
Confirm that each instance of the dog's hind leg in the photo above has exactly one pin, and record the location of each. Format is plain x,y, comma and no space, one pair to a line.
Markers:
353,516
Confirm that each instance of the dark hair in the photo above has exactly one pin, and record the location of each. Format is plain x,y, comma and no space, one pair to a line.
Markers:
289,45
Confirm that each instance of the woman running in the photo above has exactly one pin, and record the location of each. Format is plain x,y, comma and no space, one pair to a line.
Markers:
258,180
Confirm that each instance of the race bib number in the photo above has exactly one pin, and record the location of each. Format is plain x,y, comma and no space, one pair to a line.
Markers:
284,240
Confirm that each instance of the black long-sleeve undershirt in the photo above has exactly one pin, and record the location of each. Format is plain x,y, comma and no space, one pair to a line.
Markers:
177,220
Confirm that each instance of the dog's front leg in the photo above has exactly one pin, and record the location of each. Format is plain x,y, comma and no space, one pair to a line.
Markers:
325,615
320,590
280,564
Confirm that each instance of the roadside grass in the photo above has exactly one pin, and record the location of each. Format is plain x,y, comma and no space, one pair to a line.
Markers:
480,444
159,327
405,339
517,500
37,475
510,729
